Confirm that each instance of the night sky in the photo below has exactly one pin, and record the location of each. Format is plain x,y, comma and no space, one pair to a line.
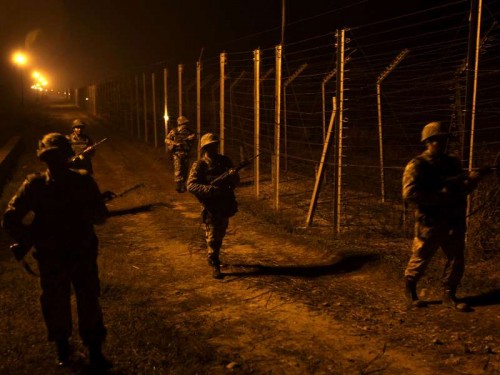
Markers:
77,41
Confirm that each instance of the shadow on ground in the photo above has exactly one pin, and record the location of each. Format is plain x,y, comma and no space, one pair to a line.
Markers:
489,298
346,263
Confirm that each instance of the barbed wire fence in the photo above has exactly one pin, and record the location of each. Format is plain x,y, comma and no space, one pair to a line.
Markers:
279,103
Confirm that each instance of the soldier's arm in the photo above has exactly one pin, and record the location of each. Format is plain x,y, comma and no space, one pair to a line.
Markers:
17,209
197,185
413,191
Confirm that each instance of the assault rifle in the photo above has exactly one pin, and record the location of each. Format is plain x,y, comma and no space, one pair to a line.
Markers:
220,179
482,171
87,150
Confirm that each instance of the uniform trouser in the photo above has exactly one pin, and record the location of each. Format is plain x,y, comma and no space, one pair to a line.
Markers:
181,167
425,244
56,278
215,230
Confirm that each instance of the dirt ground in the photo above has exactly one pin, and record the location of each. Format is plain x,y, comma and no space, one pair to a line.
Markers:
289,303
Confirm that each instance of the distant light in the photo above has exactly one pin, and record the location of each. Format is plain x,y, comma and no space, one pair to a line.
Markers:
86,98
166,117
20,58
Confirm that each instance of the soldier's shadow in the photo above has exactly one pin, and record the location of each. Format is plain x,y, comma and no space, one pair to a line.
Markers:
489,298
345,264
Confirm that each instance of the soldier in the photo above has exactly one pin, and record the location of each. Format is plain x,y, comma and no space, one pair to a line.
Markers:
66,204
436,184
218,200
80,142
179,141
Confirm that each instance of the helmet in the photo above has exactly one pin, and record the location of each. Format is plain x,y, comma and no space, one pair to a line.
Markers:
54,141
433,129
77,123
208,139
182,120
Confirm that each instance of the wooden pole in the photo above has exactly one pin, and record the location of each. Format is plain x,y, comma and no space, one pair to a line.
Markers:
145,106
256,119
180,68
165,104
277,127
223,62
321,168
198,108
153,90
138,118
339,122
474,85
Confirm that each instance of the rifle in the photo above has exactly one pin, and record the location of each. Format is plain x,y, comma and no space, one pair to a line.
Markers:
482,171
219,179
87,150
109,195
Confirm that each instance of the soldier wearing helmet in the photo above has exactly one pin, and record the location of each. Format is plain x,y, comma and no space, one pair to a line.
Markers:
435,184
66,204
218,201
179,141
80,142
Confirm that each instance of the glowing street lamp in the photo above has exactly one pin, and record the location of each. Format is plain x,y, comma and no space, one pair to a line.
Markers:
20,59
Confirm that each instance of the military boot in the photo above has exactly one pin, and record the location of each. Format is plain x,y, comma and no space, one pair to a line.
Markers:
216,274
63,352
214,262
97,362
450,300
411,294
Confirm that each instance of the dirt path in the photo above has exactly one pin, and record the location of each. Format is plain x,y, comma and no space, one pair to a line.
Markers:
283,307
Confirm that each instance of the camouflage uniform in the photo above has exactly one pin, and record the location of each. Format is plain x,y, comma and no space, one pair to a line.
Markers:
179,140
65,244
80,142
219,203
437,186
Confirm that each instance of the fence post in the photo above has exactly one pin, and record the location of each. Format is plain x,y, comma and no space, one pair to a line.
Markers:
380,78
223,62
277,123
256,119
137,107
165,103
198,108
153,90
321,168
145,106
180,68
339,122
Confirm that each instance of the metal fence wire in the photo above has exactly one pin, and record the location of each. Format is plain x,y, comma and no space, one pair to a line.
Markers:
397,76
